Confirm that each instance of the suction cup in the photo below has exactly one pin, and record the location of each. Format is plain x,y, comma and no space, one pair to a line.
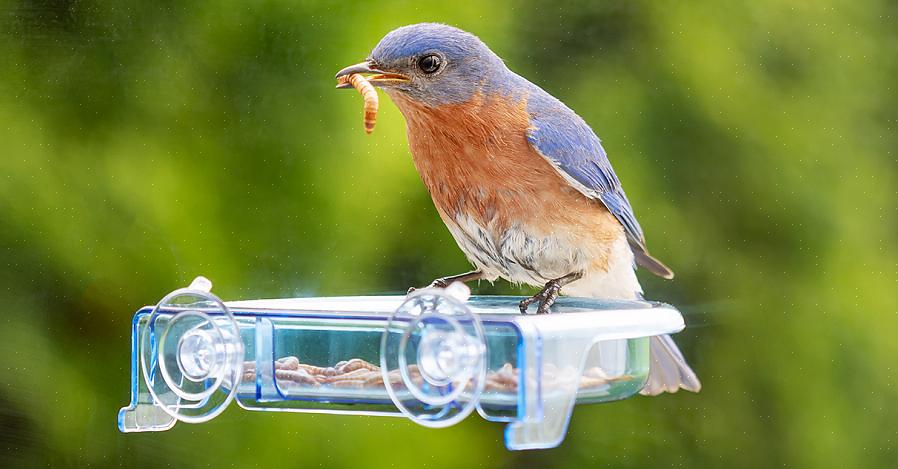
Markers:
191,354
433,358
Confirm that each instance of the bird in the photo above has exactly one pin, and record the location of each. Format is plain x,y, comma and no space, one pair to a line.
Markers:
521,181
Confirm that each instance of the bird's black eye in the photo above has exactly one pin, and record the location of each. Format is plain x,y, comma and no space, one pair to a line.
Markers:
430,63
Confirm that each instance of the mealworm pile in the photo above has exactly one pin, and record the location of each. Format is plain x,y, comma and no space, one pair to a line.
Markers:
360,83
360,374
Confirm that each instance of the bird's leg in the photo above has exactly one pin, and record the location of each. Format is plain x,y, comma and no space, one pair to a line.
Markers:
549,293
446,281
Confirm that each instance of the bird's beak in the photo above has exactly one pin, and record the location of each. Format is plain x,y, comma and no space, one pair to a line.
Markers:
374,75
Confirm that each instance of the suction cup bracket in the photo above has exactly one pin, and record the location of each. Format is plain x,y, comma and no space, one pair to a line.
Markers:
433,356
191,354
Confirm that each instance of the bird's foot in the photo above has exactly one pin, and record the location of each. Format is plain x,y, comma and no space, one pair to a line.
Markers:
546,298
438,283
446,281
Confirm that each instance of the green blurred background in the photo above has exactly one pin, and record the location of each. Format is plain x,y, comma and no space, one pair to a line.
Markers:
143,143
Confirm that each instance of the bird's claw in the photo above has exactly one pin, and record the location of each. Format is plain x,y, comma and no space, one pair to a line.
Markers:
546,298
438,283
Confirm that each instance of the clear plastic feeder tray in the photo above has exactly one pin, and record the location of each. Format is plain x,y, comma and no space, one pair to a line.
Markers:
433,356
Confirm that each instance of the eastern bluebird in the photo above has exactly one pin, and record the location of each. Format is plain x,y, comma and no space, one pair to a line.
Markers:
521,181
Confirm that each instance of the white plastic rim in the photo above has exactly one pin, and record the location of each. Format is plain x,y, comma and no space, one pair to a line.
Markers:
219,326
451,376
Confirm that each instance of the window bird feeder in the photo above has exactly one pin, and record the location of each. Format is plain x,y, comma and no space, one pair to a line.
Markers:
434,356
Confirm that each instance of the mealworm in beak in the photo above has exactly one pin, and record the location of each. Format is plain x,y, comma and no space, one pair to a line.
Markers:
368,92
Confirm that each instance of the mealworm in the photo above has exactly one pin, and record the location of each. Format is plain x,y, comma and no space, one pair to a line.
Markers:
297,376
349,383
356,364
375,378
287,363
596,372
355,374
317,370
589,382
506,379
495,386
360,83
622,378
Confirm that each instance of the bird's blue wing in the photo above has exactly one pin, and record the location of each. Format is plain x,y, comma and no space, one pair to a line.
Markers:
570,145
563,138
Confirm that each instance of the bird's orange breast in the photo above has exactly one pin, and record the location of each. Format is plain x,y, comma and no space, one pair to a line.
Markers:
475,160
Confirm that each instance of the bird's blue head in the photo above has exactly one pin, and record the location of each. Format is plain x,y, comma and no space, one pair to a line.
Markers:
433,64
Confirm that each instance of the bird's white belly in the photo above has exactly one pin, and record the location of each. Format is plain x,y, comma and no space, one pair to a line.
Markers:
521,256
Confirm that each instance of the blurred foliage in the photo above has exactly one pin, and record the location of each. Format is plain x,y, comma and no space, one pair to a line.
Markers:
144,143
